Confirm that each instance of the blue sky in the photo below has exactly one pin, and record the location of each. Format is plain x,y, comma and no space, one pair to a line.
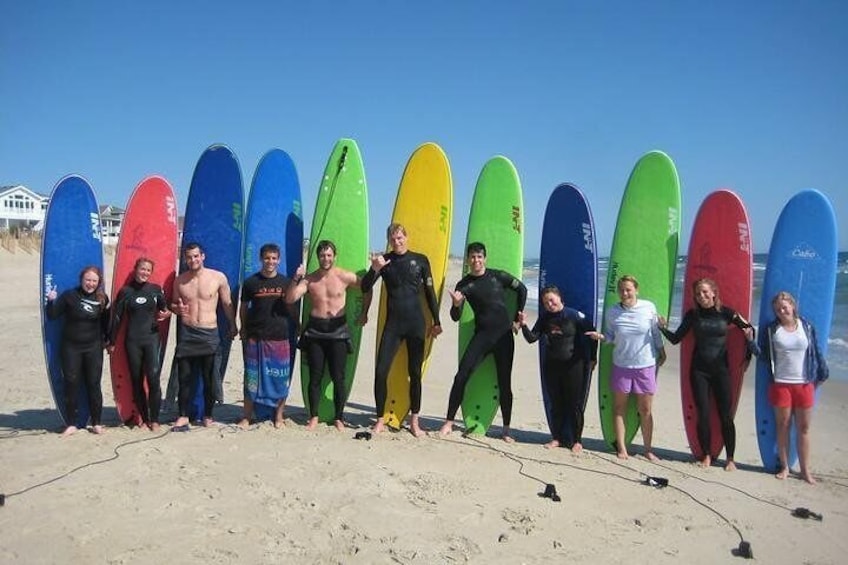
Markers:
744,95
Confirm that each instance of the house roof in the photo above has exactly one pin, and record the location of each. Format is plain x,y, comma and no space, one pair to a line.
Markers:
4,190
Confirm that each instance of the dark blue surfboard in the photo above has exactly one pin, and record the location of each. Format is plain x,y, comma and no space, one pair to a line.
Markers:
274,215
213,218
568,260
71,240
802,260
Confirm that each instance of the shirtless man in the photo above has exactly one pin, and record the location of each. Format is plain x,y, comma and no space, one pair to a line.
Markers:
326,334
197,292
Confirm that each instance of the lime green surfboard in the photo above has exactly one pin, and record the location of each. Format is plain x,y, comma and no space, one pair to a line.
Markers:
645,246
496,220
341,215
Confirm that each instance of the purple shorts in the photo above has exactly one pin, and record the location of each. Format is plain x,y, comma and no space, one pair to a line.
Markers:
637,381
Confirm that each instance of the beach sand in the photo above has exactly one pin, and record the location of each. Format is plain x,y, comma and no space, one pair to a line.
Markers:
223,495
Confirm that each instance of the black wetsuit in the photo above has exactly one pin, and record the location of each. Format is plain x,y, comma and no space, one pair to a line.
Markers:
83,336
141,303
486,294
566,354
710,369
403,277
327,343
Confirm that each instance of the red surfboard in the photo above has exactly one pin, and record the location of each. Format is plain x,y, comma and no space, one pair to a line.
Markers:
719,249
149,229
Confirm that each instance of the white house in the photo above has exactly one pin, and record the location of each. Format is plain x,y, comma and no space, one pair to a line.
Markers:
111,218
21,208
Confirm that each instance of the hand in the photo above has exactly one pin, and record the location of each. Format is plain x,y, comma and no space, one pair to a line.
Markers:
180,307
456,296
110,349
233,331
662,322
522,318
597,336
300,272
378,262
749,333
661,357
163,315
435,331
52,294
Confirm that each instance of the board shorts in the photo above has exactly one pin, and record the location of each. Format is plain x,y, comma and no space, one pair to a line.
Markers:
790,395
635,381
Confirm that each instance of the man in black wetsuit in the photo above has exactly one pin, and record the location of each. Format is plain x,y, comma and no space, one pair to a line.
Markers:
405,274
485,290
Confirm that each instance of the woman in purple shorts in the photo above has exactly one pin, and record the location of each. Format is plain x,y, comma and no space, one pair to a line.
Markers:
631,326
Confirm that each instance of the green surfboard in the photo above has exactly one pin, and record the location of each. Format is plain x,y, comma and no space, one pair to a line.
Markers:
341,215
645,246
497,220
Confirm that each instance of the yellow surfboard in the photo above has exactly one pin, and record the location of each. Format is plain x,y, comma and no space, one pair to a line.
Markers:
424,205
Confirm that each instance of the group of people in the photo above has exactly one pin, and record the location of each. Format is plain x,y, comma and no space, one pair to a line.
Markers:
269,314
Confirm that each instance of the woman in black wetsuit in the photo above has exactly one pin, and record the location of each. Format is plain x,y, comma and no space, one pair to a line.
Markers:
710,369
143,304
85,310
568,352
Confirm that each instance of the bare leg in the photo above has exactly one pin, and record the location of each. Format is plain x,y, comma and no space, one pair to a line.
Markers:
506,437
646,420
782,418
69,431
247,413
379,426
446,428
279,420
313,423
619,409
414,427
803,416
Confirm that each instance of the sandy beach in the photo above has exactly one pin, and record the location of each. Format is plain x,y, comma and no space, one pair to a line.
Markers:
224,495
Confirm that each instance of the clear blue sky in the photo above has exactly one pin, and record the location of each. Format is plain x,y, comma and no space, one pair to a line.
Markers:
751,96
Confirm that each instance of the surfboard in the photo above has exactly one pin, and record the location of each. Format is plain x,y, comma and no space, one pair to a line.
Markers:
341,216
719,249
802,260
644,245
274,215
496,219
213,218
424,205
568,260
72,239
149,229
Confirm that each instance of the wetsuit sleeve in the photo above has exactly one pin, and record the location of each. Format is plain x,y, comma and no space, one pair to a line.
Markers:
533,335
118,314
56,308
161,303
736,319
456,311
105,316
430,291
676,336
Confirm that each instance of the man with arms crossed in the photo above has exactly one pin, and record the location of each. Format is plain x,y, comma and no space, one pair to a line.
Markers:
197,292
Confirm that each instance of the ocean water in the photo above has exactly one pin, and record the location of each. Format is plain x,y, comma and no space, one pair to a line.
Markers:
837,354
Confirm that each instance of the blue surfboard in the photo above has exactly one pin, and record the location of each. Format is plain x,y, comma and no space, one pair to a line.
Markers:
802,260
213,218
274,215
71,240
568,260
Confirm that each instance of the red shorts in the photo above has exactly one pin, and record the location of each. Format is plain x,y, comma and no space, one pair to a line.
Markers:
783,395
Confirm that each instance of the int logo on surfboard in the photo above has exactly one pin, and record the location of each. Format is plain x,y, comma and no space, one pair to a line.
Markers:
171,209
673,215
516,219
95,226
588,243
744,236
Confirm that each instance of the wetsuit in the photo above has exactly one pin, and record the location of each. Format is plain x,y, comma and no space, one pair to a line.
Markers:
710,369
567,351
492,334
83,335
403,277
327,343
141,303
267,356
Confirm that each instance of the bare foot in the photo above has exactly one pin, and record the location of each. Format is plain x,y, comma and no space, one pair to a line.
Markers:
69,431
730,465
207,422
649,455
414,427
339,425
312,424
782,474
508,438
379,426
622,455
279,422
98,429
807,476
705,462
552,444
154,426
577,447
181,421
446,428
244,423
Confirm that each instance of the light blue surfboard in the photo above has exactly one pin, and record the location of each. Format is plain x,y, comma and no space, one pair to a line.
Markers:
71,240
213,218
802,260
568,260
274,215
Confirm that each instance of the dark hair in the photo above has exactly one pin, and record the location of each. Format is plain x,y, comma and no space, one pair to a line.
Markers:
99,293
713,286
475,247
141,260
272,247
325,244
192,245
550,290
